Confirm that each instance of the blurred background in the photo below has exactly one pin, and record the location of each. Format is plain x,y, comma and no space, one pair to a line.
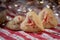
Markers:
21,7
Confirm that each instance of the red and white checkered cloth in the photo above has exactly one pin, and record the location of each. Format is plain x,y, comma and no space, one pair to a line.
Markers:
49,34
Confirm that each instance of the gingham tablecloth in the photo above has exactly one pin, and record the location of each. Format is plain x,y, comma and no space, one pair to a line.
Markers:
49,34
